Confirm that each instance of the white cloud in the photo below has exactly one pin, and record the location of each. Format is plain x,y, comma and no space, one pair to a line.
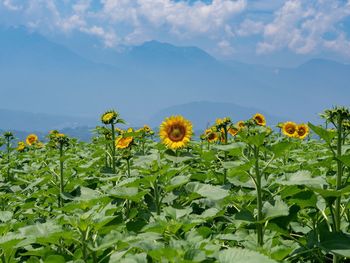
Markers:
249,27
110,39
300,25
10,5
225,48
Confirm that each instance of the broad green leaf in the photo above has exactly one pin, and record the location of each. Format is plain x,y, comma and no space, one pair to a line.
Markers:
326,135
239,255
54,259
5,216
302,177
130,193
338,243
206,190
176,182
279,208
345,159
280,148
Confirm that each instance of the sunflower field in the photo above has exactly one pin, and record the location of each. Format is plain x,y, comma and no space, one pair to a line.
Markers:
242,192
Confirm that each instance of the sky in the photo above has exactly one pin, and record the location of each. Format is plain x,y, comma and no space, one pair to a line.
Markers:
255,31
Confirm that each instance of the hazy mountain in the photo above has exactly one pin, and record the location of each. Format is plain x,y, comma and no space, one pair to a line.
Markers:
203,114
38,75
26,121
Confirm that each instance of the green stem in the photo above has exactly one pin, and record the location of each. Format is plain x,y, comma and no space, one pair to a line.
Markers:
113,148
156,197
84,248
225,141
337,213
339,173
259,226
128,164
8,157
61,175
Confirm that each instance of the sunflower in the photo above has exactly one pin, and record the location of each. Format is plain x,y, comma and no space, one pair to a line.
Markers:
210,135
119,131
259,119
146,128
289,129
21,146
302,131
233,131
175,132
222,122
240,125
31,139
108,117
123,142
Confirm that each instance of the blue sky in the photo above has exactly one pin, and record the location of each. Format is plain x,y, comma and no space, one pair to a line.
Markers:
255,31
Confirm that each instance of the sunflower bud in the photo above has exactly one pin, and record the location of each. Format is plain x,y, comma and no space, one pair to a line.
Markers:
109,117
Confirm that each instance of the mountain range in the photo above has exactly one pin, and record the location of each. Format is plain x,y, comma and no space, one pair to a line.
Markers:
145,83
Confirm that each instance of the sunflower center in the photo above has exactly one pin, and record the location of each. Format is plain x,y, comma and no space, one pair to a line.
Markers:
301,131
290,130
211,136
177,133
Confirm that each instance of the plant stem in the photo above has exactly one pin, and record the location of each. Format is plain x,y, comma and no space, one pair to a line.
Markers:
8,157
61,176
156,197
113,148
339,173
128,164
337,213
84,249
259,226
225,141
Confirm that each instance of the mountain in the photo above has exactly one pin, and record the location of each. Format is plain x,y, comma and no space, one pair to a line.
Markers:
39,122
204,113
39,75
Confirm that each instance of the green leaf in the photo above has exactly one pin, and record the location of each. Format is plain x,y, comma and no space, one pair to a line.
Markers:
279,208
345,159
129,193
239,255
5,216
326,135
176,182
214,193
338,243
302,177
55,259
331,192
280,148
229,147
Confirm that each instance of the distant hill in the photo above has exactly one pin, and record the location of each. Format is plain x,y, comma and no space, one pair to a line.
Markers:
204,113
39,75
39,122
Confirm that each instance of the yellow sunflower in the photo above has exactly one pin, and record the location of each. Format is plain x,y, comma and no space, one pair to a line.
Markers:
108,117
211,136
289,129
240,124
119,131
123,142
146,128
302,131
175,132
31,139
21,146
233,131
259,119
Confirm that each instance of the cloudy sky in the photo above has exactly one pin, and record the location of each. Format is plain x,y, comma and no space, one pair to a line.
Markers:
248,30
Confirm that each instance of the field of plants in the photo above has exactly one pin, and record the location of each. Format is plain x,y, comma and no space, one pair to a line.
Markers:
243,192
